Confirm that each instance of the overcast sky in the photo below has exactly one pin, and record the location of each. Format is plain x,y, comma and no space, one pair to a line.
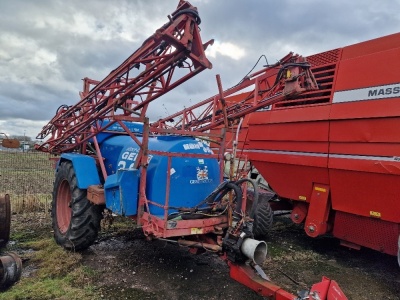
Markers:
48,46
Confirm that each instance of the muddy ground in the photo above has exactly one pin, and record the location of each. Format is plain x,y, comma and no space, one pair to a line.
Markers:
138,269
129,267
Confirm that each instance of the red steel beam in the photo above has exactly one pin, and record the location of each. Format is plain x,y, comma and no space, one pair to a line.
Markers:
294,75
246,275
147,74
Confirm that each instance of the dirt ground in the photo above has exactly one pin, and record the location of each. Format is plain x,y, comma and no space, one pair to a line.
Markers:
127,266
364,274
138,269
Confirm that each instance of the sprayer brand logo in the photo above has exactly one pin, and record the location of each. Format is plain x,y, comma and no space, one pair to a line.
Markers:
198,145
128,159
202,176
191,146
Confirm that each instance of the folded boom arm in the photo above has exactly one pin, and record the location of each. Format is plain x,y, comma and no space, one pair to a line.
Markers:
146,75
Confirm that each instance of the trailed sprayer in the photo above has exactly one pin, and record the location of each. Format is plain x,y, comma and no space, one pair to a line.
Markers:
167,179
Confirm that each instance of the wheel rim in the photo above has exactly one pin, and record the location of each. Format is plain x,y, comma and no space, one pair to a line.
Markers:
63,206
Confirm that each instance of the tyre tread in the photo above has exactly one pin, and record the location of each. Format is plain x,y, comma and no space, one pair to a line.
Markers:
263,218
85,217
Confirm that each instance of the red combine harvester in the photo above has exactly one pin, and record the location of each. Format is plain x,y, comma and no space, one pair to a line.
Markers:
166,177
332,156
335,154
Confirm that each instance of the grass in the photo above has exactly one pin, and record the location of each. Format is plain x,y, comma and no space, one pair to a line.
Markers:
52,272
56,288
26,172
49,271
31,203
28,178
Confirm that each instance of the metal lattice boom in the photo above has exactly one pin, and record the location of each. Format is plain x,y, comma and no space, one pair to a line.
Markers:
284,80
147,74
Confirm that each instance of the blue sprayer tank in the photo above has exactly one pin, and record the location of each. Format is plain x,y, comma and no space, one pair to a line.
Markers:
191,179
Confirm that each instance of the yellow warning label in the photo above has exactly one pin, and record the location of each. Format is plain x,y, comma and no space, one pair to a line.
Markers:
375,214
304,198
319,189
196,230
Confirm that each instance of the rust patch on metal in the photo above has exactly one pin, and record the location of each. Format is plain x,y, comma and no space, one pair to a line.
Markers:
95,194
5,219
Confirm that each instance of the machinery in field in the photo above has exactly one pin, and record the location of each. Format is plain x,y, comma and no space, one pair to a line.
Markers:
5,219
331,156
10,263
334,154
167,179
5,204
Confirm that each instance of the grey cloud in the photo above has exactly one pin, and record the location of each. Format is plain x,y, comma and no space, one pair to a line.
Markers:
90,38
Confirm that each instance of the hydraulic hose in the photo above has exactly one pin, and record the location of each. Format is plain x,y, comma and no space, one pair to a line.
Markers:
304,65
216,196
189,12
255,196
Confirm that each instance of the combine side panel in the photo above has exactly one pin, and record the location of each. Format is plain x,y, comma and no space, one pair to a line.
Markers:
364,158
288,143
369,232
345,136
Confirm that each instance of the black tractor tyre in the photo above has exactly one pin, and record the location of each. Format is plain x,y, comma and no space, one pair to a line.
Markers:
75,220
5,220
263,217
398,251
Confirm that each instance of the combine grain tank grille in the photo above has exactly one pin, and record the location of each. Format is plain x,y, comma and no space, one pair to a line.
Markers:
324,67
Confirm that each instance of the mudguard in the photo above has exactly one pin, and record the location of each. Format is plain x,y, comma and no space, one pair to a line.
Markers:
85,169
